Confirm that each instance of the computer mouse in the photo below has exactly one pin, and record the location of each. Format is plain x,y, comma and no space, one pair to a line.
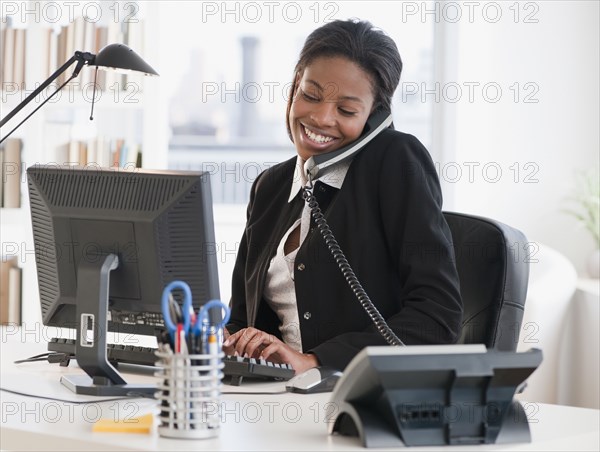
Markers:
314,380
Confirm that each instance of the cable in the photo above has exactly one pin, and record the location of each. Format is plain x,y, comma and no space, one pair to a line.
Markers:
254,393
51,357
63,359
74,402
346,269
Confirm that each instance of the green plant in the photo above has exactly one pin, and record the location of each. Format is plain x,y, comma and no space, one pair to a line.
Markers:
587,198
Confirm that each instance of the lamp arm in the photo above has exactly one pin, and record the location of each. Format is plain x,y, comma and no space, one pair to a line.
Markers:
38,107
82,58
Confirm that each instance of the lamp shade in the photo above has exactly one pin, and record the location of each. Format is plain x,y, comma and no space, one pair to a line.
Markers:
121,58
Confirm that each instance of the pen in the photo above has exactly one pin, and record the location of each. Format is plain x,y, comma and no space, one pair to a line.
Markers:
213,350
212,344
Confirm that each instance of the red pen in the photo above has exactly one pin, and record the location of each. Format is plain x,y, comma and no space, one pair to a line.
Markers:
179,338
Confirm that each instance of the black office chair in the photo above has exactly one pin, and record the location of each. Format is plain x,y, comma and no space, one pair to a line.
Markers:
493,269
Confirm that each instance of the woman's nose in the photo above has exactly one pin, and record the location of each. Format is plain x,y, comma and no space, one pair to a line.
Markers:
323,114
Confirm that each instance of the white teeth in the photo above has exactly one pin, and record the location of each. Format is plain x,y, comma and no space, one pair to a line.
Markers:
317,138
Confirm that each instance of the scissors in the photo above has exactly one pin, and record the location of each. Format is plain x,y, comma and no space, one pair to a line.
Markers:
170,309
187,320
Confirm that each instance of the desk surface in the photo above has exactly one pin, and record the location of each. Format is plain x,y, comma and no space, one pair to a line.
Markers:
249,421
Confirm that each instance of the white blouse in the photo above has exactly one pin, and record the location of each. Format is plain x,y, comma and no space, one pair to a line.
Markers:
280,291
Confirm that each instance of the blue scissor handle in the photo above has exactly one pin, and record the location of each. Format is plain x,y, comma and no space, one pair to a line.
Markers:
187,307
205,308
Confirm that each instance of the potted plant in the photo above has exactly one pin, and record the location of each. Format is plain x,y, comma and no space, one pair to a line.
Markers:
586,197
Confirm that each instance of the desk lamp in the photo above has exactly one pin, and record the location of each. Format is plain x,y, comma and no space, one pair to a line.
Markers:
116,57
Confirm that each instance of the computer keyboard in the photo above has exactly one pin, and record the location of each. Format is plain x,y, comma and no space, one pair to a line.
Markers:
114,352
236,368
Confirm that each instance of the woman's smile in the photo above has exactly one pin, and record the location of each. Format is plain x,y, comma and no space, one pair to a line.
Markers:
316,138
332,102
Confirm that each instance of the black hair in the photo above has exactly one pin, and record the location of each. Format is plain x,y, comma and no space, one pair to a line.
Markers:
363,44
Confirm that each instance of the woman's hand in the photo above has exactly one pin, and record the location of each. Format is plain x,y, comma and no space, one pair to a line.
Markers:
253,343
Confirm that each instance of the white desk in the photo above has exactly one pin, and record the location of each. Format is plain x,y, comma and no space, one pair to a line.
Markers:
249,422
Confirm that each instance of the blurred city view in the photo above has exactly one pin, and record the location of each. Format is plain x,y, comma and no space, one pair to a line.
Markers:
227,104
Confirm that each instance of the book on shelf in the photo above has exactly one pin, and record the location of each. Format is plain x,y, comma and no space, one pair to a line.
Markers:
89,45
10,291
56,45
101,41
12,48
116,149
3,51
8,55
18,75
87,36
11,173
49,56
98,152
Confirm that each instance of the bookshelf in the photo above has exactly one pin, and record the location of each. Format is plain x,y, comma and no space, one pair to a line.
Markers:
129,111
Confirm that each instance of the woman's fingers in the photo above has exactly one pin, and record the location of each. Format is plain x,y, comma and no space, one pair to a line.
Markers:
258,344
248,342
281,353
276,352
252,343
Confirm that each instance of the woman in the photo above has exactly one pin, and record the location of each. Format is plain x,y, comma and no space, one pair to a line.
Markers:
290,301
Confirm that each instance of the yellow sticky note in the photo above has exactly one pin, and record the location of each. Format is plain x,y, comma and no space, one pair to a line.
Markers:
142,424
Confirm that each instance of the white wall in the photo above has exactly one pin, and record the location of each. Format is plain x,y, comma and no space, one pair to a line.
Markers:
547,140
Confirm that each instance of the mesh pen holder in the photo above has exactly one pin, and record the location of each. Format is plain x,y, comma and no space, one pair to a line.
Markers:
189,392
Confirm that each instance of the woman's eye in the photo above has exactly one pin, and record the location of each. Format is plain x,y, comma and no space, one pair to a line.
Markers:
308,97
346,112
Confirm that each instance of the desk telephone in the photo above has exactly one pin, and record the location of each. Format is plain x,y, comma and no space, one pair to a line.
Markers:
316,166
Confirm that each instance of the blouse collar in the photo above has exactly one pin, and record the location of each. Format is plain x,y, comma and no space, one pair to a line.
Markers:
334,178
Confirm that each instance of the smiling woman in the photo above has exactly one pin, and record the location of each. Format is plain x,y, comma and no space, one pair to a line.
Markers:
290,301
333,99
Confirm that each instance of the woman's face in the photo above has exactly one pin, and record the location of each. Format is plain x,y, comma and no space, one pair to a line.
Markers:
333,99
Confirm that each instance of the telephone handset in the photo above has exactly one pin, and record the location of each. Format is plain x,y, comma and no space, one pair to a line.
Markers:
317,165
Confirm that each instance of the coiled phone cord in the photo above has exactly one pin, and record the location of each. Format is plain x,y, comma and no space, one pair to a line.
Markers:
346,269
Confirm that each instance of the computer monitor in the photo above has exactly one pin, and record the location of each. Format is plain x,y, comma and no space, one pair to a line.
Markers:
107,241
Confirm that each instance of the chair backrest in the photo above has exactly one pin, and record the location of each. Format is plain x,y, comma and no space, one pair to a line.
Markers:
493,268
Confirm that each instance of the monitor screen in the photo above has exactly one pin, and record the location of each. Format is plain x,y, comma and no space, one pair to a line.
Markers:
158,223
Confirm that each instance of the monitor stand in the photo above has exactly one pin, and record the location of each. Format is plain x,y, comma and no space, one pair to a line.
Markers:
102,379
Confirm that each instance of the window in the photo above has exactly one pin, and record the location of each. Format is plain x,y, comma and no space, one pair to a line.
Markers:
230,67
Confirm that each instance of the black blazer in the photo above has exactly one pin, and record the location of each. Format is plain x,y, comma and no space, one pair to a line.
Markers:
388,221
